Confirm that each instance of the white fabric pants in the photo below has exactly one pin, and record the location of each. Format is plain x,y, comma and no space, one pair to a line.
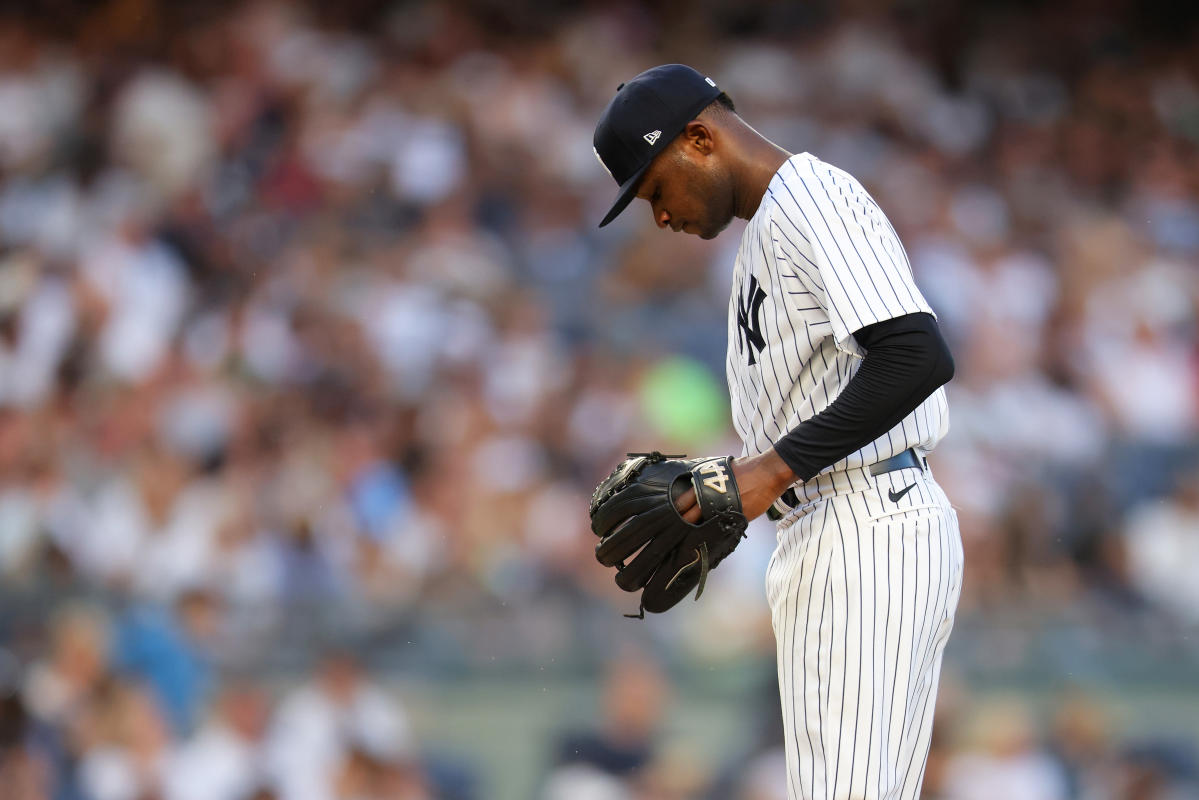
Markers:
862,588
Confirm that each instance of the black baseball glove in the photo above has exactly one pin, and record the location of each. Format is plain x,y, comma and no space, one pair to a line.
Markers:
643,535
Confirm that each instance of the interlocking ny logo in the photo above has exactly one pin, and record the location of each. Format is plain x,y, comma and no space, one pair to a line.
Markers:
749,324
652,136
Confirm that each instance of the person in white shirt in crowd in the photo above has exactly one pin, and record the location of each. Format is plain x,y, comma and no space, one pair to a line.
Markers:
320,723
223,760
1162,543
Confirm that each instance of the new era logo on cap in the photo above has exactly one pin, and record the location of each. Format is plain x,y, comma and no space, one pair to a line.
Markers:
652,136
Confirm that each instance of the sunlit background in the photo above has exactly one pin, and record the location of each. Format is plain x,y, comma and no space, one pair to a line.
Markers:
311,354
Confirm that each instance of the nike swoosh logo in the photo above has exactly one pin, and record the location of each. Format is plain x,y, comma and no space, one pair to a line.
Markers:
896,496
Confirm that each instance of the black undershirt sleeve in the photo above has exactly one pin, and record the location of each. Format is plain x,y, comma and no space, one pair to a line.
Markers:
906,360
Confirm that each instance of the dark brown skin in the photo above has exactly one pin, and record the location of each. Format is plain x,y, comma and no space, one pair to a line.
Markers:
716,169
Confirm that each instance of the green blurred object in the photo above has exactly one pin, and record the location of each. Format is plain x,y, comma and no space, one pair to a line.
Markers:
683,401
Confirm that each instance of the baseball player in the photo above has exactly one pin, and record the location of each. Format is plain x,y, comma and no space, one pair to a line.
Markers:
835,367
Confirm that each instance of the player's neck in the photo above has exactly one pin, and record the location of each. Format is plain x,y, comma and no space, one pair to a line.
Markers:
759,159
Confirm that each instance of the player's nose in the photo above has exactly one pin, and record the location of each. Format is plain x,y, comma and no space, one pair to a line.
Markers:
661,217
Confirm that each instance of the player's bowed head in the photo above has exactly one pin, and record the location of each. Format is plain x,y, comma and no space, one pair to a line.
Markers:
698,163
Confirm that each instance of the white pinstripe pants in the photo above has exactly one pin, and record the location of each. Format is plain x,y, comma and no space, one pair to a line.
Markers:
862,593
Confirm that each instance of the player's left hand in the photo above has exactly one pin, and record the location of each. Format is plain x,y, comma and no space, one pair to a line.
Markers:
761,479
654,550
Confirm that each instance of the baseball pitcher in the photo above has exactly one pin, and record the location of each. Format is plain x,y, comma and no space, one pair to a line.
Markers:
835,367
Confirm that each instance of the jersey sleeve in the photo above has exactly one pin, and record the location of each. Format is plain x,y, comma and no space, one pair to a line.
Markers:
832,233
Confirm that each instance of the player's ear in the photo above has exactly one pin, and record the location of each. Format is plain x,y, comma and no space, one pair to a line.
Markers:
698,136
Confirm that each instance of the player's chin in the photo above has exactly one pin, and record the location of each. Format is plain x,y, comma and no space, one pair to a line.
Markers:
712,231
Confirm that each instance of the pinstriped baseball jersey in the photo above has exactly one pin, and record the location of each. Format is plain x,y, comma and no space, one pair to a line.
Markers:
865,580
817,261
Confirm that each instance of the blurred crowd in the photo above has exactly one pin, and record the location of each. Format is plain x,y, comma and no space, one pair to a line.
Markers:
308,339
107,714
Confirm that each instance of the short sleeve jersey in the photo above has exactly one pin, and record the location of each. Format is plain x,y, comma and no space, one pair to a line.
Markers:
818,261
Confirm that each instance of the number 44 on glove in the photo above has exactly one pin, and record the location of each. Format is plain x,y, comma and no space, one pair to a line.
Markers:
644,537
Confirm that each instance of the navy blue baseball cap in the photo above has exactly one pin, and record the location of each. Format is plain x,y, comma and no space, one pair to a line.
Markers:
645,116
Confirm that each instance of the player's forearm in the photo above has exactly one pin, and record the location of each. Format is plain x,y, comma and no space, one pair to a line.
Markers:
906,361
761,479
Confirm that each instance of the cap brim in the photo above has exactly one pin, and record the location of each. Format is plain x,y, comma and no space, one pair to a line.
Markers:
628,190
